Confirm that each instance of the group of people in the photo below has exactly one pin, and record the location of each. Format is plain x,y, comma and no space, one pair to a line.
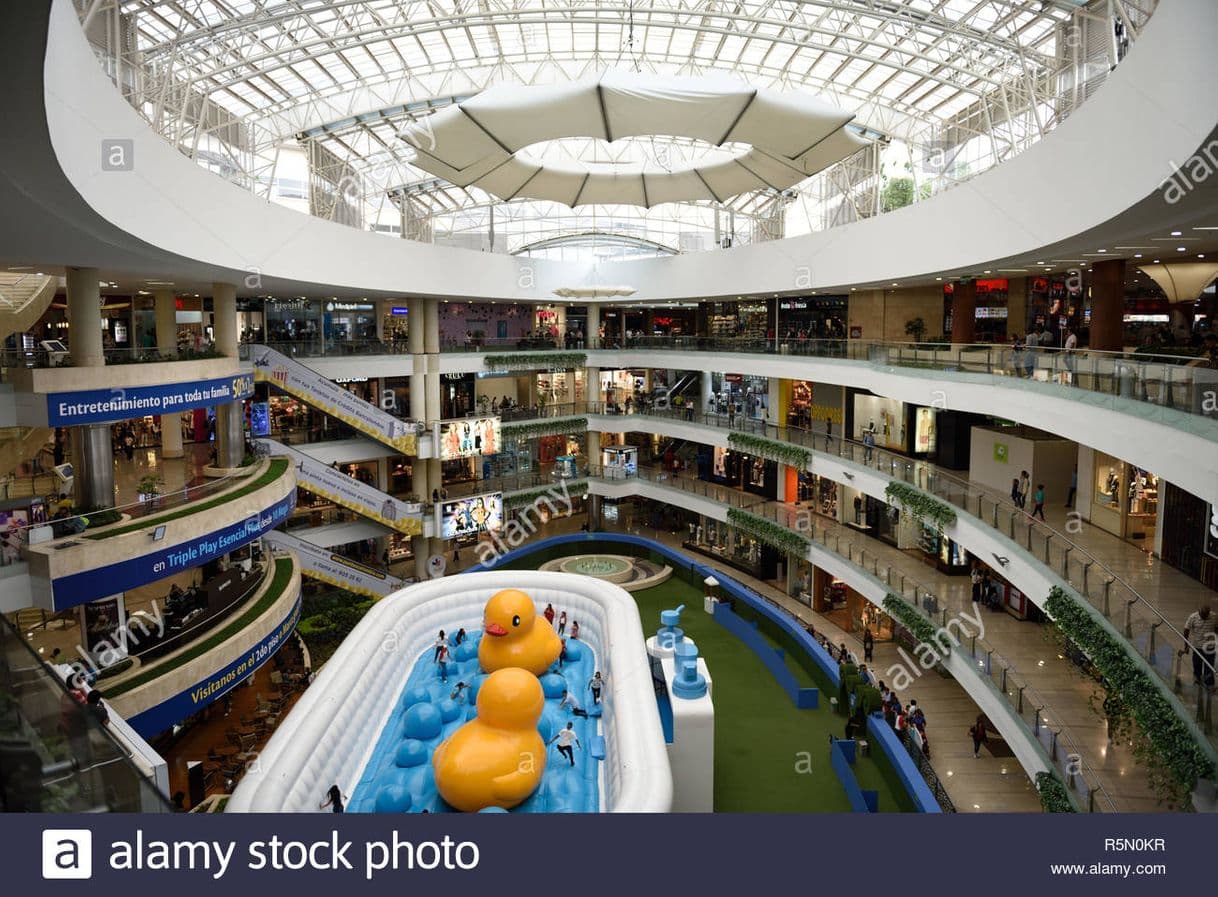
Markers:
442,654
1024,349
1021,487
986,589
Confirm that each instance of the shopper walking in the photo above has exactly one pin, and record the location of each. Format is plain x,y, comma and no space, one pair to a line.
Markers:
1073,488
978,734
1199,632
1038,510
868,643
1025,483
596,685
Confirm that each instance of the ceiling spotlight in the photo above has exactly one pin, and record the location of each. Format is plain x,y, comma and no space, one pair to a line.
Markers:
1137,255
1181,249
1176,233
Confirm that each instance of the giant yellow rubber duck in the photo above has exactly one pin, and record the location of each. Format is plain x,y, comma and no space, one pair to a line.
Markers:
497,758
514,636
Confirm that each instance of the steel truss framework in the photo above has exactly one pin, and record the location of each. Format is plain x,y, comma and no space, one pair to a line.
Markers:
231,82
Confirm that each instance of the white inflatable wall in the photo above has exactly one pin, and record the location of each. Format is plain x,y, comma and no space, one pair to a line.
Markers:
330,734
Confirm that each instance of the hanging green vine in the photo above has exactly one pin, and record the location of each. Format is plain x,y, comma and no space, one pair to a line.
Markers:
787,540
527,360
922,507
1135,706
555,492
1054,798
794,455
555,426
923,630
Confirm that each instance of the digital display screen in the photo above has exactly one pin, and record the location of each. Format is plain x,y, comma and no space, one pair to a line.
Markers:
260,419
469,516
468,437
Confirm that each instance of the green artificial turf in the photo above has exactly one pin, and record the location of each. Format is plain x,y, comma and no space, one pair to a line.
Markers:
769,756
274,471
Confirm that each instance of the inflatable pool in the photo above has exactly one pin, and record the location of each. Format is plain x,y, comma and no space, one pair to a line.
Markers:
375,713
399,777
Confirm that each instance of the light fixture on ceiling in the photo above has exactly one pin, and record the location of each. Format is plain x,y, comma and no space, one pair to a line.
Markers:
1177,233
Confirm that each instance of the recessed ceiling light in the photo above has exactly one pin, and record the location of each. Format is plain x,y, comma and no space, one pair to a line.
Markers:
1101,250
1156,261
1176,233
1181,249
938,278
1137,255
985,272
1200,255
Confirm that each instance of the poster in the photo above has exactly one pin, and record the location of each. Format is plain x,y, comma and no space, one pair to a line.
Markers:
468,437
925,430
469,516
1211,531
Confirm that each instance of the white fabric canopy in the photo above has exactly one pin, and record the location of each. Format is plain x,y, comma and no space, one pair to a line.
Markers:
478,142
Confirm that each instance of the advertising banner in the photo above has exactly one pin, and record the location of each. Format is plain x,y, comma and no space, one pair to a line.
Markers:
101,406
336,570
173,710
162,561
467,516
314,389
467,437
329,482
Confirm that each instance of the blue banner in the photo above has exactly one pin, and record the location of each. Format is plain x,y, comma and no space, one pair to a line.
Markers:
100,406
87,585
173,710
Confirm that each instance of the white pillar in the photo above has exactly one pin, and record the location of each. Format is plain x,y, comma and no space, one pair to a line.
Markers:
167,345
230,423
594,448
707,391
435,409
431,326
592,387
593,326
84,317
415,326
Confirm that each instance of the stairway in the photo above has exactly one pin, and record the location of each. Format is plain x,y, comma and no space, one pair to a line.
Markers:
23,300
304,383
334,569
348,492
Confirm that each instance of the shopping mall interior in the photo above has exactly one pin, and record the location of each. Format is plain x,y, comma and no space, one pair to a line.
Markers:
848,369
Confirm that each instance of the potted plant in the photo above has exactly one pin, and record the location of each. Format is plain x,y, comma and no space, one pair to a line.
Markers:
916,328
149,487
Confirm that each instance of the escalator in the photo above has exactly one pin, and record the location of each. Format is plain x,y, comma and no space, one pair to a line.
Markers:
313,389
346,491
333,569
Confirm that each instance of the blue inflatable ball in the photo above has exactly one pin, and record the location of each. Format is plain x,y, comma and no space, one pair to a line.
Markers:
474,685
465,651
549,724
411,752
575,650
449,710
417,695
492,810
393,778
423,721
394,799
553,685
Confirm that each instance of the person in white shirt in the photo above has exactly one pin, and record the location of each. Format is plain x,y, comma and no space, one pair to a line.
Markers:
596,684
440,642
568,700
565,738
1201,633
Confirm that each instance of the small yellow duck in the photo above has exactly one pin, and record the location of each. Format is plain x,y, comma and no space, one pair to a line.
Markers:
514,636
497,758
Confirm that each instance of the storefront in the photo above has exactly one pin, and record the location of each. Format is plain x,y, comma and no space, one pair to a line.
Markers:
620,462
745,320
749,395
1054,303
945,554
620,384
738,470
560,387
457,395
993,307
346,322
1125,500
817,492
251,320
292,321
895,426
812,317
719,540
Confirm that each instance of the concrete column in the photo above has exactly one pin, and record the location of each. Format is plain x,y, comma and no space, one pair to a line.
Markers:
419,483
592,387
418,397
593,326
418,545
167,345
230,422
431,386
594,513
964,311
431,326
93,466
1108,305
708,391
414,326
594,448
92,451
84,317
